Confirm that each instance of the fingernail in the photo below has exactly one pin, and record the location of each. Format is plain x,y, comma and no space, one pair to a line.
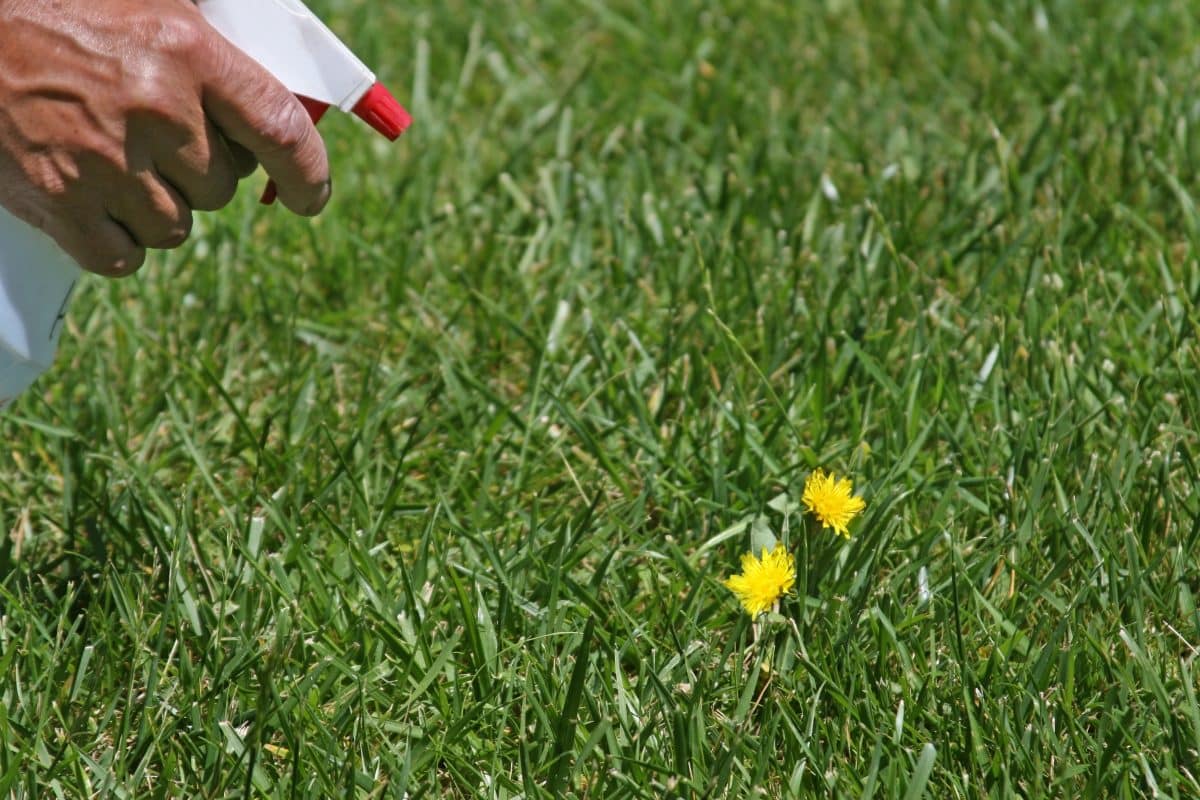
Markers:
322,200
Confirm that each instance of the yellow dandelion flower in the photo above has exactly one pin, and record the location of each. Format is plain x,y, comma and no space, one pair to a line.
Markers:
832,502
763,581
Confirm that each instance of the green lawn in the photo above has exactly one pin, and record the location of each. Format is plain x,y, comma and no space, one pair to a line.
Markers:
435,495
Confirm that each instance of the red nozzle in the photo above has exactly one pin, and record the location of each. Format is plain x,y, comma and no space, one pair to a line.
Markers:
383,112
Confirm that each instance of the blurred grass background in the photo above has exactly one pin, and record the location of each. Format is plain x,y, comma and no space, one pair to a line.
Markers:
432,496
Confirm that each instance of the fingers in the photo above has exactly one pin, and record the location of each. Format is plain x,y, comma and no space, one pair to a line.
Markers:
147,213
155,215
203,171
112,242
254,110
100,244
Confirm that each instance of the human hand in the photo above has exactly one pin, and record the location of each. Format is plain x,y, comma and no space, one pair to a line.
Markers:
118,118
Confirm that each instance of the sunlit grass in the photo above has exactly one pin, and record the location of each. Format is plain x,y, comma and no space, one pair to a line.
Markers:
436,495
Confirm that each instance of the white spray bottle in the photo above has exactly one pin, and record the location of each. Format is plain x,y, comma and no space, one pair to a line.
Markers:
36,277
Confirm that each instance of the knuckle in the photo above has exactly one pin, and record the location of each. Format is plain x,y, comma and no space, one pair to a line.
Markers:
176,34
175,228
166,219
183,229
287,129
151,82
172,240
147,93
117,264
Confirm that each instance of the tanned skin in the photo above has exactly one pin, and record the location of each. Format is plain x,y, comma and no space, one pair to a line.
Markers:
119,118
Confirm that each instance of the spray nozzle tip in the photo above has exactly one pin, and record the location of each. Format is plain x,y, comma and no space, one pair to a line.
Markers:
383,112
